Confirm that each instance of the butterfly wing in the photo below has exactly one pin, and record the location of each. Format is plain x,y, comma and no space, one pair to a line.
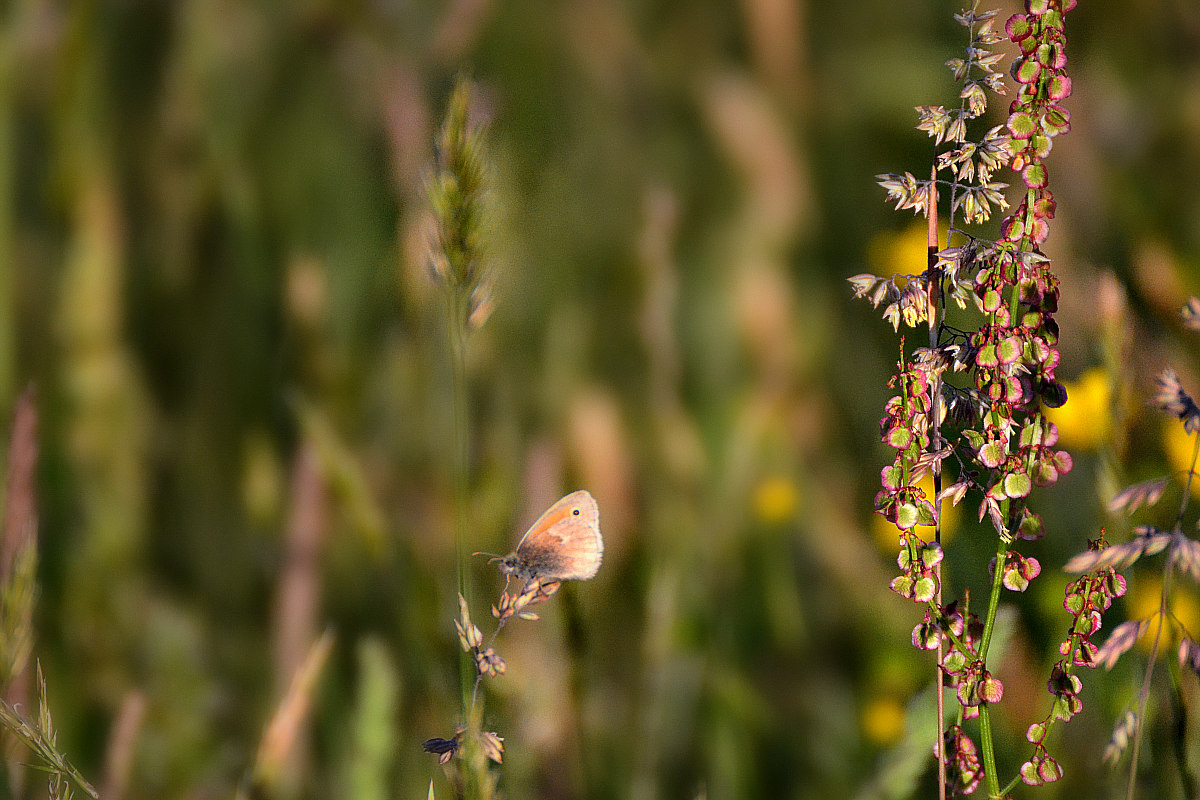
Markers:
565,542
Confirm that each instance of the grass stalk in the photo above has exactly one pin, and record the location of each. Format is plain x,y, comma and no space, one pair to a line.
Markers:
39,736
989,623
458,260
1163,611
460,468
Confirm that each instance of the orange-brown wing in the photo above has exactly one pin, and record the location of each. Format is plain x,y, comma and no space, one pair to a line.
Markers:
565,542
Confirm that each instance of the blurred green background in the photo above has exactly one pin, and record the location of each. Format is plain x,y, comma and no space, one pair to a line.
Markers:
214,271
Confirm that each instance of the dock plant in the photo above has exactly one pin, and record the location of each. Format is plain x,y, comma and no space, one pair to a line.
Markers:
969,405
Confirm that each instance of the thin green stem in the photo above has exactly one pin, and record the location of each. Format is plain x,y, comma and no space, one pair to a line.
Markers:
1187,483
461,469
989,751
1012,784
460,410
1144,693
458,264
1014,297
989,624
1179,738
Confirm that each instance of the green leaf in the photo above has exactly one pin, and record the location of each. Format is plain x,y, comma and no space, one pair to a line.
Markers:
1035,176
902,585
1074,602
1033,431
1014,581
1018,27
1040,145
1049,770
991,690
992,454
370,754
1061,709
1009,350
893,477
907,516
1031,527
1022,124
899,438
1027,71
1056,121
1017,484
1045,474
1059,87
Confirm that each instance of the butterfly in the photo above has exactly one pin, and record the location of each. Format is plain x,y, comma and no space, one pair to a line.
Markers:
563,545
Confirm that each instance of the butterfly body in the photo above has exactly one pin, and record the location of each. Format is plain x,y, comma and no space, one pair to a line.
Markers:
563,545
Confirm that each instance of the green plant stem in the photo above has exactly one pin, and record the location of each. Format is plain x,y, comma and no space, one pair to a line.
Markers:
985,725
1012,784
1144,693
989,751
940,744
1014,297
1187,484
989,623
461,422
946,632
474,778
1179,739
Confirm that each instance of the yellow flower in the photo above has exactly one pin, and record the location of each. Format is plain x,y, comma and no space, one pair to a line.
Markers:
903,253
882,721
1142,602
887,535
775,500
1085,421
1178,445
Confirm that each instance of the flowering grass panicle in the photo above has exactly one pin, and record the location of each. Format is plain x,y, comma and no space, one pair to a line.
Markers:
18,598
1181,558
458,255
488,664
40,737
